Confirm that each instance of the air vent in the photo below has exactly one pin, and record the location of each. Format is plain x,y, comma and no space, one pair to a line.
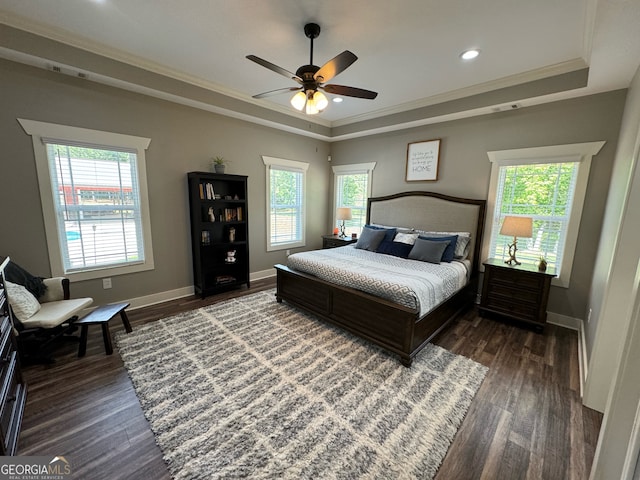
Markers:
503,108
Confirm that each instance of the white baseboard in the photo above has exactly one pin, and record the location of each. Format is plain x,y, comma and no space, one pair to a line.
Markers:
271,272
576,324
155,298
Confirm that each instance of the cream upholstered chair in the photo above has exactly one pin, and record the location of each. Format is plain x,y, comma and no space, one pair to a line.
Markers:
56,305
39,322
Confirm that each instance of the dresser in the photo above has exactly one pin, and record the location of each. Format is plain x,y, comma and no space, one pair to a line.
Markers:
520,292
13,390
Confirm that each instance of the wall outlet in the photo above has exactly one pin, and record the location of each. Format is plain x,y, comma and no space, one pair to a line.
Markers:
589,315
106,283
288,252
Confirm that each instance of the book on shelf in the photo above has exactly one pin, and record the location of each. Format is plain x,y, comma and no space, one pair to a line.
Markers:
233,214
206,191
230,215
206,237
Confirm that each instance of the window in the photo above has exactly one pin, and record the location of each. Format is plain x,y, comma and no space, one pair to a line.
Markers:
352,188
547,184
285,203
94,200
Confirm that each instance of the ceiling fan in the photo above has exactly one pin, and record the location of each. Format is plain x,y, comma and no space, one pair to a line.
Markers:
312,79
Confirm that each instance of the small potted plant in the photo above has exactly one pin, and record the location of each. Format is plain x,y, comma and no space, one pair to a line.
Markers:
542,264
218,164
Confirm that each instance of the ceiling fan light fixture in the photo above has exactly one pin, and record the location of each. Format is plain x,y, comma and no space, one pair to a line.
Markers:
311,101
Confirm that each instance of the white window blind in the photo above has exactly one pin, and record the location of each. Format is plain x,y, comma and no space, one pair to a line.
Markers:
352,189
543,192
286,209
97,205
549,184
287,206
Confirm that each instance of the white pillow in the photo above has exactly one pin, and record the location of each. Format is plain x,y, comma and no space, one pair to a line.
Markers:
23,303
408,238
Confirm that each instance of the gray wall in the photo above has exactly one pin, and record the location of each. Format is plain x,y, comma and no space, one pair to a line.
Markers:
182,140
615,281
465,168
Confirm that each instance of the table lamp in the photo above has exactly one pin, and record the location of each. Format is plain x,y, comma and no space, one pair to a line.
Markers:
343,213
516,227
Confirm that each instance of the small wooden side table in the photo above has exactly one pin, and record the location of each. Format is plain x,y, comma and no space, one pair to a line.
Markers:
520,292
102,315
333,241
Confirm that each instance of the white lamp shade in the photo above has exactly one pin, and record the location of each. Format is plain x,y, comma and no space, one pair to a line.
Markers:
320,100
517,226
298,100
343,213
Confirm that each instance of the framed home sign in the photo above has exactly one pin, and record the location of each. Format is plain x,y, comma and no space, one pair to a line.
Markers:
422,161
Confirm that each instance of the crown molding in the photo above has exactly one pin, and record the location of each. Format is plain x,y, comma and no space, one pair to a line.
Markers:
77,41
500,83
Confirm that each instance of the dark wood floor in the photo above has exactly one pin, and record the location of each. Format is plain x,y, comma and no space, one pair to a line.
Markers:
525,422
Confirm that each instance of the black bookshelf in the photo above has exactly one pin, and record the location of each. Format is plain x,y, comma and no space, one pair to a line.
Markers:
219,225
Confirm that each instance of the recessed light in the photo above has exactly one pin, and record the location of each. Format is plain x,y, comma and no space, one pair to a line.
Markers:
470,54
337,99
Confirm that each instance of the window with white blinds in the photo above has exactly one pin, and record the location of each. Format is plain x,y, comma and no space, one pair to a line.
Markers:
97,203
543,192
94,200
549,185
285,204
352,187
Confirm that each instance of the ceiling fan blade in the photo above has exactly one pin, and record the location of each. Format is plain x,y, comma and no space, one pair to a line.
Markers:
350,91
277,92
335,66
274,68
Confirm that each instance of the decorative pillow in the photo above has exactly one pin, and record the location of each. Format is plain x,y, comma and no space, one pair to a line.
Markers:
408,238
23,304
448,254
18,275
390,232
370,239
428,251
397,249
463,244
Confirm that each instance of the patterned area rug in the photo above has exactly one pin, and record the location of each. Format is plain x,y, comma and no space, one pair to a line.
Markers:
250,388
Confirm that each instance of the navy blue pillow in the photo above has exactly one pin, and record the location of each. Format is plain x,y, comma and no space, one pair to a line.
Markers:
389,235
449,252
397,249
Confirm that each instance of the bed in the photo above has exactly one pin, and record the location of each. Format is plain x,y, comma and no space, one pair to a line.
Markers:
398,326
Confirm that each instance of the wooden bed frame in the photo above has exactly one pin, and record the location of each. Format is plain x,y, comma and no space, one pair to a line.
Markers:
394,327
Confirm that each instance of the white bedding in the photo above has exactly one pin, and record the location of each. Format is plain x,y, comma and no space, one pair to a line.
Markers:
418,285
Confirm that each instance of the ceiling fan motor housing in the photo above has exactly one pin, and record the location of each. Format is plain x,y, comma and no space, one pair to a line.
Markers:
312,30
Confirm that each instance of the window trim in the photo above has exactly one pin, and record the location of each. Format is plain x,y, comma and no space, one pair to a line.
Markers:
576,152
353,169
39,130
293,165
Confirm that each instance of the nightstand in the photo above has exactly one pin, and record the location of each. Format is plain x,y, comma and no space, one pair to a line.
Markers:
519,292
333,241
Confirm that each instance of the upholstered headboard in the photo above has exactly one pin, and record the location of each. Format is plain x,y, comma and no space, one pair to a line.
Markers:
432,212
